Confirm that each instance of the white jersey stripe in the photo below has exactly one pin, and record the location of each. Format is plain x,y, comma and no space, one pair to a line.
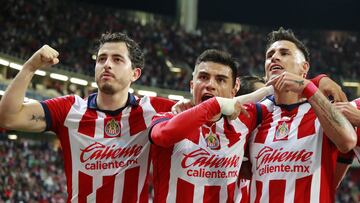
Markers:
119,186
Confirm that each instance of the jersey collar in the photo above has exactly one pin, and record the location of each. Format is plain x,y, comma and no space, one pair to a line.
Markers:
93,105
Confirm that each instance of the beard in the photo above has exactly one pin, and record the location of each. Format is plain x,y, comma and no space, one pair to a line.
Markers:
107,89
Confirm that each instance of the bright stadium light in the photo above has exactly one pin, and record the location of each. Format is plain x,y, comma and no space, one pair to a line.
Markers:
57,76
79,81
147,93
40,72
131,90
351,84
15,66
4,62
175,97
93,84
12,137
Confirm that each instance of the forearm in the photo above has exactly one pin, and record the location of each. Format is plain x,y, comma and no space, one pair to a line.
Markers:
335,125
256,96
185,124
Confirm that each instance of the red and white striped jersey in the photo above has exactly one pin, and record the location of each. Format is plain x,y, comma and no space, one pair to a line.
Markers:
292,159
356,103
106,153
205,168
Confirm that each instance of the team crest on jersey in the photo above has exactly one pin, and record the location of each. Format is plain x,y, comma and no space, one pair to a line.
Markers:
282,132
212,141
112,128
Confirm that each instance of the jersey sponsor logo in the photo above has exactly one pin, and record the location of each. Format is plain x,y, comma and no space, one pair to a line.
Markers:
202,158
271,160
112,128
99,156
201,164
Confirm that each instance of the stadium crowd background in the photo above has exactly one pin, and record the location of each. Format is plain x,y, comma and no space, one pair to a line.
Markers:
32,170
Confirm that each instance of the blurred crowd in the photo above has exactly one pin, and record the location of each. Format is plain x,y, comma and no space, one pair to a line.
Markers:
71,28
31,171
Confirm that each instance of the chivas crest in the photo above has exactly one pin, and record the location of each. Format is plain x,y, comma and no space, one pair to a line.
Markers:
112,128
282,132
212,141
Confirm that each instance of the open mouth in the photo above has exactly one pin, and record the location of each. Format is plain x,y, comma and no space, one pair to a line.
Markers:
276,67
206,97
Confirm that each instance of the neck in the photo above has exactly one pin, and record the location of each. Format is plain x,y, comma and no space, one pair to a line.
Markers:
287,97
111,102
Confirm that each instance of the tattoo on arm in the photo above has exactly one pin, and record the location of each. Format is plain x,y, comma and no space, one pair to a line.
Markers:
37,118
299,82
332,114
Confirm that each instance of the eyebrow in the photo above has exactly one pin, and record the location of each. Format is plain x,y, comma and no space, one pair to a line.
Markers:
273,50
218,75
113,55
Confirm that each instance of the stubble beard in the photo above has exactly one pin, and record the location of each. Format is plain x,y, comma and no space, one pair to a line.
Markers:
107,89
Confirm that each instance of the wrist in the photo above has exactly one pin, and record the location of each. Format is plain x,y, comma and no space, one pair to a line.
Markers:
309,90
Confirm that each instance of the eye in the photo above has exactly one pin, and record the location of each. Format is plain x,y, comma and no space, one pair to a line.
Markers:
203,77
284,53
221,80
101,59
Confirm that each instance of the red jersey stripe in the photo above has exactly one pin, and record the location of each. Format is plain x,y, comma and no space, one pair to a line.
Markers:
106,192
303,185
277,191
136,120
230,191
86,183
212,194
87,123
259,188
304,128
131,185
186,190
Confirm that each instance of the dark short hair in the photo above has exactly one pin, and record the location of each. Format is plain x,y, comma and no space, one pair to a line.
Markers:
221,57
288,35
136,55
247,84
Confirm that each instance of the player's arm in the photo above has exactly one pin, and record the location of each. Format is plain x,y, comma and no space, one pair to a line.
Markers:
350,112
14,113
166,133
338,129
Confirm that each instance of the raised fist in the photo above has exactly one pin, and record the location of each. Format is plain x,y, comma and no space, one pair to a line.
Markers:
44,57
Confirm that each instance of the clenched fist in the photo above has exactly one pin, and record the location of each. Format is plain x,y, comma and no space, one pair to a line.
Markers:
44,57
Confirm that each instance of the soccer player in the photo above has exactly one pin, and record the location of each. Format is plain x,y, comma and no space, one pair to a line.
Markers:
196,154
294,150
105,136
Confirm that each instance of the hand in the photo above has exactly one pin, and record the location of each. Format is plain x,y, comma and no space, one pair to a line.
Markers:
329,88
288,82
181,106
350,112
231,107
44,57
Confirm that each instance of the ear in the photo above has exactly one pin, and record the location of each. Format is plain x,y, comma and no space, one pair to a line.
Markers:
136,74
236,87
305,69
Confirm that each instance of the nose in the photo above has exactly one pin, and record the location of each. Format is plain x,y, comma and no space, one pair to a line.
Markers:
211,84
107,64
275,57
